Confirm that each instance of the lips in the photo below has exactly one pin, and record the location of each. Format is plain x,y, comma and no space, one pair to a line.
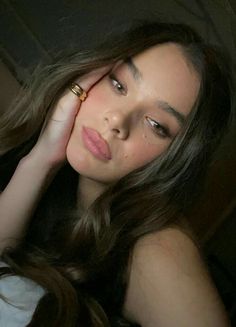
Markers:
94,142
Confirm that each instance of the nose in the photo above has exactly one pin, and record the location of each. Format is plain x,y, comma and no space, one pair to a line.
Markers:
117,122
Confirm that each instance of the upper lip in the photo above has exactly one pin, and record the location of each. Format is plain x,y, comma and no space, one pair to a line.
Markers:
99,141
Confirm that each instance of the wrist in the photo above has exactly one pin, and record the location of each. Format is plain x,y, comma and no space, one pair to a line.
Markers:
37,162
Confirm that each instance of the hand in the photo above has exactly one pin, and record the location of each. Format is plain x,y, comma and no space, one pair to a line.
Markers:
51,145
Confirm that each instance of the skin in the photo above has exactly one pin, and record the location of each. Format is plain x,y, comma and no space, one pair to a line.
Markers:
117,107
169,284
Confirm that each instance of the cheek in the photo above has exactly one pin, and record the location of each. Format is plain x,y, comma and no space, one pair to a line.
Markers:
141,154
97,97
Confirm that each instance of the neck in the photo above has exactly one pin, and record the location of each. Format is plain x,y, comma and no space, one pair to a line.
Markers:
88,191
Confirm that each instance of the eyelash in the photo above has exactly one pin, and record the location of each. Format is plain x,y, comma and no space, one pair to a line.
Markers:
117,85
156,127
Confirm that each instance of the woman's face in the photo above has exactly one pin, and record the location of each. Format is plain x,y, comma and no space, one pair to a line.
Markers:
132,115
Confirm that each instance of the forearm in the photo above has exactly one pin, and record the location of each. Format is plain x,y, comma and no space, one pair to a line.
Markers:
35,172
20,198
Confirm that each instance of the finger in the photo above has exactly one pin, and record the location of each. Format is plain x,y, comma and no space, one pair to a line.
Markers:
88,80
69,103
67,106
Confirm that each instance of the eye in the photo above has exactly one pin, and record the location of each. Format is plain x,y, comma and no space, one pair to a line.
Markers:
117,85
158,129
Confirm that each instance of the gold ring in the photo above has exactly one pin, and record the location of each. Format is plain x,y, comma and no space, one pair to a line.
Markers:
77,90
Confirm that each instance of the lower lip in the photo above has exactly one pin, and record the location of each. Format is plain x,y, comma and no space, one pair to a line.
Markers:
92,147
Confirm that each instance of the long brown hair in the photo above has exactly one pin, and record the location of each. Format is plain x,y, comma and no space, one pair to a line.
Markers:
81,259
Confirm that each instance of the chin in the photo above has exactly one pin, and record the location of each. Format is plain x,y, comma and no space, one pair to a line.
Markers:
87,167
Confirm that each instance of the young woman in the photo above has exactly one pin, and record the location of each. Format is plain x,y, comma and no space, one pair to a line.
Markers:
99,160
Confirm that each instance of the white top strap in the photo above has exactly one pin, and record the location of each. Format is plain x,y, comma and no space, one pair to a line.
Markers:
18,299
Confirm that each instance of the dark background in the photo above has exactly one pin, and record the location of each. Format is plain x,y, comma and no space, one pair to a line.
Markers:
32,32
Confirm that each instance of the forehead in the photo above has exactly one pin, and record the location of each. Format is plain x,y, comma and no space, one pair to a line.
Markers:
166,74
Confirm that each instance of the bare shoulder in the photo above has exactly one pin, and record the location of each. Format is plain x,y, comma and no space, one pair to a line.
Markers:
169,284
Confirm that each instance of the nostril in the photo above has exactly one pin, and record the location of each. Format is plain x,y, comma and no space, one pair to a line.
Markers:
116,122
116,130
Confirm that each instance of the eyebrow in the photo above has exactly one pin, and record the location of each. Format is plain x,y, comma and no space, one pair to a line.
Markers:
166,107
137,75
133,69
